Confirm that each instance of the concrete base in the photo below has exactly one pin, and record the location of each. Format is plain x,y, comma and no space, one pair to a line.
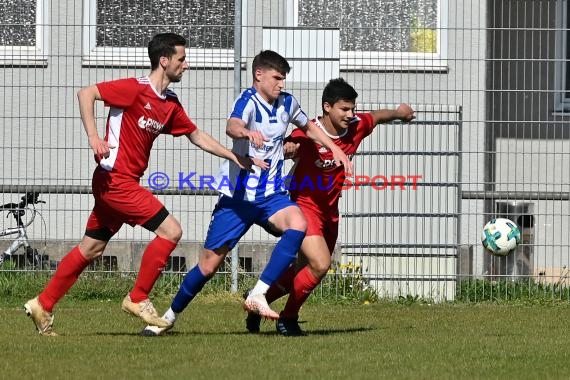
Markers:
125,256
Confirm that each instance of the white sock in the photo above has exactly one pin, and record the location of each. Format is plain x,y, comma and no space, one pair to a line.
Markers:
170,316
259,288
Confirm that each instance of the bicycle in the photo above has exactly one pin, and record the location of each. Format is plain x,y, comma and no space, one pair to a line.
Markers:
32,257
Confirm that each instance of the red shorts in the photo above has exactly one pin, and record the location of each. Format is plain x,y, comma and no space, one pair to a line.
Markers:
321,225
119,201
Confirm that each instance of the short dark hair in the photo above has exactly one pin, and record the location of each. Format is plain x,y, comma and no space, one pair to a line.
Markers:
163,45
268,59
338,89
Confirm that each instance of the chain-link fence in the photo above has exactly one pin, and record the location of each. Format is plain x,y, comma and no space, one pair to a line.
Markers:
488,80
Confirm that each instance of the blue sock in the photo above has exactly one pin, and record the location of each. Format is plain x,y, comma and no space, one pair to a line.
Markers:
193,282
283,255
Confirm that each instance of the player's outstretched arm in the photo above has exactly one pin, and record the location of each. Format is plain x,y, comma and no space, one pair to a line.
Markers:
207,143
87,97
404,113
316,134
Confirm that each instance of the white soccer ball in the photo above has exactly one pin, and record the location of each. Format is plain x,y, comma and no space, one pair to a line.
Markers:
500,236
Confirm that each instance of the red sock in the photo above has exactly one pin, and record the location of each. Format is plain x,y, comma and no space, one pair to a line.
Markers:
154,258
67,272
282,286
303,284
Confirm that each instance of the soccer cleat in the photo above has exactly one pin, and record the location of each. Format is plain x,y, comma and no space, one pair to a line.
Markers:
253,322
258,304
42,319
151,330
289,327
144,310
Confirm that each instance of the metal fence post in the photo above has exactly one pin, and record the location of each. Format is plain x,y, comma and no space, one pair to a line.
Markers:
235,268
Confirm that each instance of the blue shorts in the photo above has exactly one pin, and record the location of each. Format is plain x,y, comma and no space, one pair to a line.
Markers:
232,218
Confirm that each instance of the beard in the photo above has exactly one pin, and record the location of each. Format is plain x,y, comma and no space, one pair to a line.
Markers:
175,78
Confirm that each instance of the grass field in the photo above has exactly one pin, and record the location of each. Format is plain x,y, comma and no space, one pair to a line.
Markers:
350,341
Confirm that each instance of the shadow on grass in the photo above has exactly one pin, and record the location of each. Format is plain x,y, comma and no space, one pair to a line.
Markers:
130,333
323,332
340,331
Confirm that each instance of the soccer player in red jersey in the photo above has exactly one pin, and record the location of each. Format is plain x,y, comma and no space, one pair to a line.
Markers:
317,194
140,110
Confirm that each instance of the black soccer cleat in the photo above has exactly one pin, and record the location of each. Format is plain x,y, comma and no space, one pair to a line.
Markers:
253,322
289,327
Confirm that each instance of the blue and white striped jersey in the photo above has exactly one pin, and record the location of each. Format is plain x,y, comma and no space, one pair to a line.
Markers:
272,121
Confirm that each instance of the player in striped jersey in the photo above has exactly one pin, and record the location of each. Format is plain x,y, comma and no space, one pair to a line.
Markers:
257,123
319,203
140,110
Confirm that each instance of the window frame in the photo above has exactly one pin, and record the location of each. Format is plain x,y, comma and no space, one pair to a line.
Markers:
561,102
391,61
93,55
30,55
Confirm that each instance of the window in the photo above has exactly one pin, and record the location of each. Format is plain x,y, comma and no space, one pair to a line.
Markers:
117,32
562,70
386,34
23,32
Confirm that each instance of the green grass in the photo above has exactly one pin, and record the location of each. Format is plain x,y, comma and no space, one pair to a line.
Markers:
385,340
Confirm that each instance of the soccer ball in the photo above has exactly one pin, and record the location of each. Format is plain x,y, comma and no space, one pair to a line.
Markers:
500,236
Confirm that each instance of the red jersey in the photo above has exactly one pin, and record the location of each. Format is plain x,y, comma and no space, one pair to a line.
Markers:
313,183
137,116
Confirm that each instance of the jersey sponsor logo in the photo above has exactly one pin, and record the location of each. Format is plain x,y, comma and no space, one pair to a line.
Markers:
267,147
325,164
150,125
264,148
